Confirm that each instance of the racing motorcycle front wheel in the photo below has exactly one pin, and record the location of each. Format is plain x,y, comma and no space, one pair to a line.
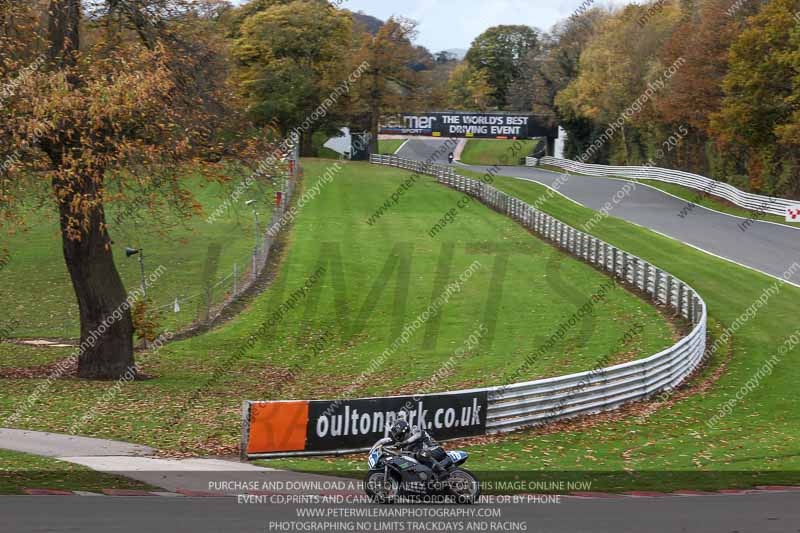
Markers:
379,489
464,486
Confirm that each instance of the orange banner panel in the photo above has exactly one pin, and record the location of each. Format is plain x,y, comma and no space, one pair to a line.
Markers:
278,427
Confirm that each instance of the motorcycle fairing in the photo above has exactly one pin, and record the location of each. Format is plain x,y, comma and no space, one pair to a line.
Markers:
457,456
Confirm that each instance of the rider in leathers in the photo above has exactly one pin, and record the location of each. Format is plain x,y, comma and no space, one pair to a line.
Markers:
420,443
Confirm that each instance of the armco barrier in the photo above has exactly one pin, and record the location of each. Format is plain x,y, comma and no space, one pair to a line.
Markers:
756,202
510,407
524,404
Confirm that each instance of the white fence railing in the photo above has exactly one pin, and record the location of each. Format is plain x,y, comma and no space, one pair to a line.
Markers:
756,202
536,402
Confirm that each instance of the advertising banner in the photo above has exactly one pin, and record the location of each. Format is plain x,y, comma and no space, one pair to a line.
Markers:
471,125
330,426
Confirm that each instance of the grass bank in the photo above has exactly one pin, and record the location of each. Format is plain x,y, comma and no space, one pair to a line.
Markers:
494,151
390,146
36,291
19,471
668,443
376,280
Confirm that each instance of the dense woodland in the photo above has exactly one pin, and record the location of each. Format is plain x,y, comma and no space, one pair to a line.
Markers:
734,101
730,109
710,86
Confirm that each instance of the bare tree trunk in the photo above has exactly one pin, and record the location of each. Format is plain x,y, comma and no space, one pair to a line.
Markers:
374,119
625,146
64,32
106,323
307,144
5,18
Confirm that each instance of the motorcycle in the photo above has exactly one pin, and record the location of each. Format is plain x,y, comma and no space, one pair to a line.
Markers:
394,474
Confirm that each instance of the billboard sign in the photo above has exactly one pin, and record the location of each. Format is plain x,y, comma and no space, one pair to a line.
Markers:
319,427
471,125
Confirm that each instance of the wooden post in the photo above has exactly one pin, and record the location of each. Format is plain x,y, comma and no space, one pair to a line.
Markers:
235,279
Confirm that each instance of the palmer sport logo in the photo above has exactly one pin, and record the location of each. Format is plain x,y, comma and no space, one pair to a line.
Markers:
793,214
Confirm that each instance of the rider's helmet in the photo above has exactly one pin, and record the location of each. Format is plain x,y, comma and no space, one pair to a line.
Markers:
399,431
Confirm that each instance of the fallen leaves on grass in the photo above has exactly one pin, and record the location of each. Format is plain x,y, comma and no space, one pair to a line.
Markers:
42,371
584,424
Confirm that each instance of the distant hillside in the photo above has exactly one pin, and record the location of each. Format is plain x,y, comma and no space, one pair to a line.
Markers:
370,23
456,53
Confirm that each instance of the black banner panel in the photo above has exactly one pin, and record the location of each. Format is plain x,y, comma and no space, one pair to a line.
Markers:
471,125
351,424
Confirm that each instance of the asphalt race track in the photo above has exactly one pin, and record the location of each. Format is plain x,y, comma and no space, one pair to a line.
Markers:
747,513
763,246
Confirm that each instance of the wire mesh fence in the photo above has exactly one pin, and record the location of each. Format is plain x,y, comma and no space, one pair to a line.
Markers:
206,305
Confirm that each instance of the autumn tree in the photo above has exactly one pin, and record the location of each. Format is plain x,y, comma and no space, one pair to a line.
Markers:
468,89
387,83
109,96
615,70
290,57
760,113
430,81
501,52
702,38
550,71
432,91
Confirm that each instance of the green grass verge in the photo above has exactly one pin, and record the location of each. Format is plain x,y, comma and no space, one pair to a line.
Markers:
672,447
494,151
521,292
385,147
697,197
35,288
24,356
326,153
389,146
20,471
